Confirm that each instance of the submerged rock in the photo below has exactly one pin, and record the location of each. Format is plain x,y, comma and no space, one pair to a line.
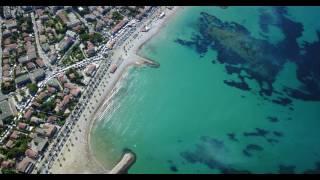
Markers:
254,147
316,170
174,168
190,157
277,133
232,136
259,58
240,85
259,132
246,153
262,132
272,141
213,142
284,169
282,101
273,119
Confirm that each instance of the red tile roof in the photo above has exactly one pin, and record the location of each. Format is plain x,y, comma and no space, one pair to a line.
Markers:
40,62
50,129
7,164
27,115
75,92
52,90
22,125
69,85
31,154
51,119
14,135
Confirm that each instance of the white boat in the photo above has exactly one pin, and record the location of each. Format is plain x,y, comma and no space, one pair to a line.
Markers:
161,15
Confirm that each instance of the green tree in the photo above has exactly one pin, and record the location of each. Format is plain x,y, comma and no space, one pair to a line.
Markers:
48,106
96,38
6,89
21,145
22,93
62,30
8,171
8,120
33,88
42,115
84,37
117,16
60,122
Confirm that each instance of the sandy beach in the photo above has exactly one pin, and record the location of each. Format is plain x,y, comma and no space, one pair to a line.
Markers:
76,156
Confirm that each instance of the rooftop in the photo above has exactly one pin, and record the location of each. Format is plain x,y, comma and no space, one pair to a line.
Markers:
27,58
22,79
31,154
5,110
27,115
25,165
38,74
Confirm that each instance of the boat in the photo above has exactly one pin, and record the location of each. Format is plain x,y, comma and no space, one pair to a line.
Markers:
161,15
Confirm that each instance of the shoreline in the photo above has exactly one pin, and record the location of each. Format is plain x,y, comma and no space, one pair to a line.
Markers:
79,157
134,59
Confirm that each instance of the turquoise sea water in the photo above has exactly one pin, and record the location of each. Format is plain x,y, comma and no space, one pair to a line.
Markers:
178,118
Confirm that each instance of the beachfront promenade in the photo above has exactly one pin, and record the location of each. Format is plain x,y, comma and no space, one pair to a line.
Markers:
61,138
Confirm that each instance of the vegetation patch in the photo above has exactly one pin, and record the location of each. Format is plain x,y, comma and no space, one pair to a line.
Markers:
21,145
8,86
94,37
33,88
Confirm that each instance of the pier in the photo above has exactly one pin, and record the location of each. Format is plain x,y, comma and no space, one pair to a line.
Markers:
125,163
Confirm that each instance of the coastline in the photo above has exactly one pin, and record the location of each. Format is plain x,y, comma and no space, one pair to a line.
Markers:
76,155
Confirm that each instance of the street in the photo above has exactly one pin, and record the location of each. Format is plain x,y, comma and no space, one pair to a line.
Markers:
42,55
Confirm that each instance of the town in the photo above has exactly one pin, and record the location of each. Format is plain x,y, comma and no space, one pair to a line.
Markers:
51,59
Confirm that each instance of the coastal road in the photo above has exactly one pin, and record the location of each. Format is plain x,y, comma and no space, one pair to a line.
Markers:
58,143
1,51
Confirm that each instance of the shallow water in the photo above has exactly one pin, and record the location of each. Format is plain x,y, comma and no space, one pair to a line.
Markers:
183,118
